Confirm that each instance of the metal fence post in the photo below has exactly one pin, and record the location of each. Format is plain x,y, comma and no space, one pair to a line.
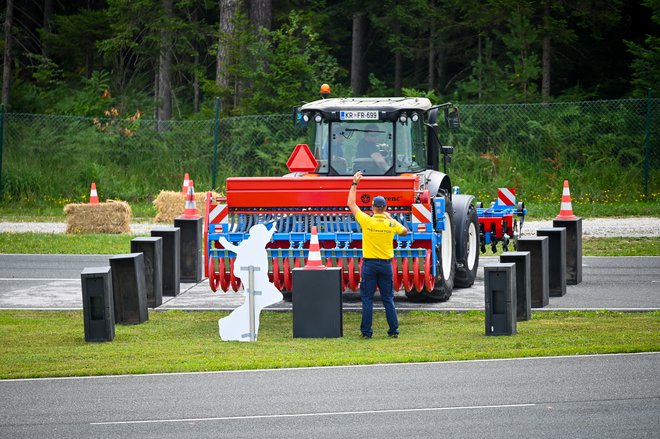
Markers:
2,142
251,292
216,139
647,141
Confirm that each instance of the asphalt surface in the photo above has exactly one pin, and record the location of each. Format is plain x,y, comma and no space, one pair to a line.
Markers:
53,282
602,396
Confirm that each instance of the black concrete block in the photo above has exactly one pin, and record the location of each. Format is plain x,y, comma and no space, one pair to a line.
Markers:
500,294
317,303
152,249
98,307
557,259
537,246
573,249
523,283
129,291
171,259
191,248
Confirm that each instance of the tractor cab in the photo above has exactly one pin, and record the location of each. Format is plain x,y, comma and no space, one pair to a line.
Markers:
378,136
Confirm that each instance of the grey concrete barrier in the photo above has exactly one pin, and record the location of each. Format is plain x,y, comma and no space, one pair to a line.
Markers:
152,249
191,248
317,303
500,295
523,283
573,248
98,307
537,246
171,259
128,286
557,259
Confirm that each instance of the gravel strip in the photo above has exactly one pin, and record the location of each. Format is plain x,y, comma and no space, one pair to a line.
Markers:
594,227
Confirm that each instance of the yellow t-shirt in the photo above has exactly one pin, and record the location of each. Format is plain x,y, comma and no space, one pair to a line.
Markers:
377,234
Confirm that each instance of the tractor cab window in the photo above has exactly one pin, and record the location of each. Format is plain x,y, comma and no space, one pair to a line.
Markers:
410,145
361,146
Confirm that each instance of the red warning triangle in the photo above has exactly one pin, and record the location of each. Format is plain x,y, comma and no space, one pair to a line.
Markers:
302,159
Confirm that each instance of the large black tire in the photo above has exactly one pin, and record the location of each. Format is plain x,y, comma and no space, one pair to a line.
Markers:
467,245
446,256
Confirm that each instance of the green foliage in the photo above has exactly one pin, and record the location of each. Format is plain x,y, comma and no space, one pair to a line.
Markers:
646,64
292,62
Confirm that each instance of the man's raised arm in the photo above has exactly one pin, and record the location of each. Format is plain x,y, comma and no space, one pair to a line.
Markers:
352,194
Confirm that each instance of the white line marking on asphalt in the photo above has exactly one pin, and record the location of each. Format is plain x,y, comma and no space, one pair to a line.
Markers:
303,415
25,279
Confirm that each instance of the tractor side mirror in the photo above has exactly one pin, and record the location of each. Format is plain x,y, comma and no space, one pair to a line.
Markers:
297,117
451,118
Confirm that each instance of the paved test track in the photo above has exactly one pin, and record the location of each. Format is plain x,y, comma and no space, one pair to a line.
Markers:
53,282
612,396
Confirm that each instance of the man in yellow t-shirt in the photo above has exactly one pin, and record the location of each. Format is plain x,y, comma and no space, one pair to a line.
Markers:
377,252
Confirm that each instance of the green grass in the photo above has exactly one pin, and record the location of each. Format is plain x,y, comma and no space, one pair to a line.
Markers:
60,243
51,343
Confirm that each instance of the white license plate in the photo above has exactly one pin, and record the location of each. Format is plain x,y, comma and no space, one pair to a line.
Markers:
358,115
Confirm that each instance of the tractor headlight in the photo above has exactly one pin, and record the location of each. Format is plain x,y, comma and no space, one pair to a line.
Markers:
403,118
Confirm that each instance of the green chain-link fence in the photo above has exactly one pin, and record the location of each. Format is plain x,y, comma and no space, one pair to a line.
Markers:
607,149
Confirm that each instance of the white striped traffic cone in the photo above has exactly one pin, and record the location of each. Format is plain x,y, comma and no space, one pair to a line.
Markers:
566,210
190,210
93,195
186,183
314,258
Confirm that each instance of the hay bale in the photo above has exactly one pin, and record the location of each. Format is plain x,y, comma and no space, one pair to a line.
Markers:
170,204
110,217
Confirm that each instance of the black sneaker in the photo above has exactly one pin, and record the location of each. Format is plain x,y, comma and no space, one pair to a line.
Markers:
365,336
393,335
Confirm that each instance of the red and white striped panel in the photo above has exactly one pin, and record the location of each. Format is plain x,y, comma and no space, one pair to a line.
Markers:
421,213
218,214
506,196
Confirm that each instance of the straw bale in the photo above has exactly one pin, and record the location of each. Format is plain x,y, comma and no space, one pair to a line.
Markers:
109,217
170,204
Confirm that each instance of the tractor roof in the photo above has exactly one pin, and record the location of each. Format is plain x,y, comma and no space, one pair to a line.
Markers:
366,104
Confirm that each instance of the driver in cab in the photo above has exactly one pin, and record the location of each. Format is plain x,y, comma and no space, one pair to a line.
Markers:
368,147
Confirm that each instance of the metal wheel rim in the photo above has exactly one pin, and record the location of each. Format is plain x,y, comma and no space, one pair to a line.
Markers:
472,246
447,250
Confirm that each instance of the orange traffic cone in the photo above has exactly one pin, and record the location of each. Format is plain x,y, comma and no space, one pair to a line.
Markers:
186,182
93,195
566,210
314,258
191,207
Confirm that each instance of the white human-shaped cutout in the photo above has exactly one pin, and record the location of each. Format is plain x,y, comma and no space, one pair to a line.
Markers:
250,252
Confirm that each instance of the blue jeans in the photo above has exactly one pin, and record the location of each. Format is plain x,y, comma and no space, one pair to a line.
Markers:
377,272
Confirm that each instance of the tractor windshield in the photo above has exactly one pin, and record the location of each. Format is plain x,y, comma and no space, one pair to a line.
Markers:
374,147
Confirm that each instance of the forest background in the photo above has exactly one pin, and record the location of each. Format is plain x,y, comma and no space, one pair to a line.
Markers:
132,93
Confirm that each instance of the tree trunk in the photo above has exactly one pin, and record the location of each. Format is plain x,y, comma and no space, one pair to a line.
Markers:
431,70
261,14
165,68
546,57
358,80
48,21
480,71
398,74
6,67
196,90
228,10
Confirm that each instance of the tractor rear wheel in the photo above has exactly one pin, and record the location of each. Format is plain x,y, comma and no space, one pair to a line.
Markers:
446,261
467,248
